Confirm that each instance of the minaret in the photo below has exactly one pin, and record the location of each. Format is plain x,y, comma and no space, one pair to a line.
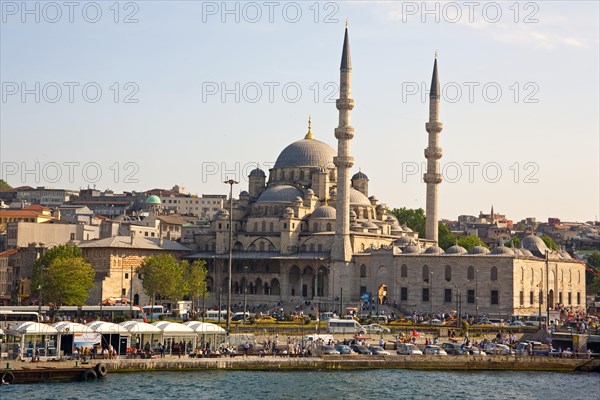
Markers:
433,153
342,249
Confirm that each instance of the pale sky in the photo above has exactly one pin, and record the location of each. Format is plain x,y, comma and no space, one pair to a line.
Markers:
191,93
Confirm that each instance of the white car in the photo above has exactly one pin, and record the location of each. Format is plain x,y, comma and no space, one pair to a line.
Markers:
375,328
408,349
378,351
502,349
434,350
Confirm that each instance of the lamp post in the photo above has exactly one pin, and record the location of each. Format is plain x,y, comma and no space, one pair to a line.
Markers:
230,182
245,293
40,301
476,295
377,288
430,296
547,289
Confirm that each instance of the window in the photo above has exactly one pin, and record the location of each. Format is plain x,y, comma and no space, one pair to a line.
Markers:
448,273
521,298
403,271
541,299
531,298
447,295
363,290
559,297
494,297
578,298
470,273
569,298
328,227
470,296
403,294
123,292
270,227
363,271
494,274
425,273
126,275
425,294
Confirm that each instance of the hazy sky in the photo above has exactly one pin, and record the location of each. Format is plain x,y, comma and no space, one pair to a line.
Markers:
149,94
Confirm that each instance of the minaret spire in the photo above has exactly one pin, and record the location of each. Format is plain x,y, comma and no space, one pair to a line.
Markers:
342,248
433,153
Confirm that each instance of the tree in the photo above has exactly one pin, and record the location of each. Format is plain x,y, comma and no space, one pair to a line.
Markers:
513,242
445,237
549,242
4,185
469,242
413,218
63,277
594,287
593,260
162,275
194,279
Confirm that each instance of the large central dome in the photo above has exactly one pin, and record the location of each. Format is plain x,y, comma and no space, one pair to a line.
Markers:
306,153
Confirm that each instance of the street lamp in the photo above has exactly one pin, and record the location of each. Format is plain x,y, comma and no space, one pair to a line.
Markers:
245,292
476,295
430,295
230,182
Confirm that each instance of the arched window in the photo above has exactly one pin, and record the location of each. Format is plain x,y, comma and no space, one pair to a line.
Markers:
494,274
328,227
403,271
271,227
264,226
312,247
448,273
363,271
315,227
282,174
425,273
261,246
570,276
303,248
301,175
522,274
292,175
470,273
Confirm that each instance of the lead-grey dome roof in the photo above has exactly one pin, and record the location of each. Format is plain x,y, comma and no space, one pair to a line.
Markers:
503,251
358,199
535,245
359,175
434,250
412,249
306,153
456,249
257,172
280,194
479,250
325,212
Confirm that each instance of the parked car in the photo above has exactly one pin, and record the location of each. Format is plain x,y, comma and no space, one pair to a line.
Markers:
494,348
266,318
408,349
375,328
343,349
378,351
517,323
476,351
360,349
434,350
457,349
435,321
329,350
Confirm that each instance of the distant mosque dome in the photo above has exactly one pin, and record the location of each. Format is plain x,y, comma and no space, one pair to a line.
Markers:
434,250
153,199
456,249
280,194
479,250
306,153
257,172
359,175
502,251
324,212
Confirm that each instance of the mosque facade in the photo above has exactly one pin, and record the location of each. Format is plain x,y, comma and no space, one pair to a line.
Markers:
309,231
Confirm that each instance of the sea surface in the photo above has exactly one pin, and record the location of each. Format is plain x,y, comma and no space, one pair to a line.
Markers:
331,385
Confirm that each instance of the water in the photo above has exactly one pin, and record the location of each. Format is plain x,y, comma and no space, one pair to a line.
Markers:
330,385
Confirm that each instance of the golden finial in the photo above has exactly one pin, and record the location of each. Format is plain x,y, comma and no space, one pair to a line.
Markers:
346,22
309,134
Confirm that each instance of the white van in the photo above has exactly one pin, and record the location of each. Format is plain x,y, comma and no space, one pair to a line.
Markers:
213,315
344,326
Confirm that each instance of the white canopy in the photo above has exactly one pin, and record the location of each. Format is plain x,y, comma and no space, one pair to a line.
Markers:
33,328
69,328
174,329
108,328
135,327
205,327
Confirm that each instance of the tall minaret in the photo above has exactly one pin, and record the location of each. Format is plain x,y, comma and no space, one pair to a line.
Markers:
433,153
342,249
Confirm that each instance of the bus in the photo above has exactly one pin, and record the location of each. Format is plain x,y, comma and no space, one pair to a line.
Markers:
11,318
154,312
84,313
214,315
344,326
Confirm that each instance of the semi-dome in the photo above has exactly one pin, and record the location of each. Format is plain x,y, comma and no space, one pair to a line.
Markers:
526,253
404,241
434,250
306,153
280,194
369,225
405,228
456,249
479,250
535,245
222,213
153,199
358,199
257,172
359,175
502,251
412,249
324,212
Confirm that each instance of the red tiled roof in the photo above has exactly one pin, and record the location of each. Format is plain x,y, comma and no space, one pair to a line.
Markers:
8,252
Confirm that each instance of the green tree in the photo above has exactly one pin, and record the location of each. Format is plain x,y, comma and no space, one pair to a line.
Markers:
469,242
194,278
593,261
513,242
549,242
4,185
445,237
62,277
162,275
413,218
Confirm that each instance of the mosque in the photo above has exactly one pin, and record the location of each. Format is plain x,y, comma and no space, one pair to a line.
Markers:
310,231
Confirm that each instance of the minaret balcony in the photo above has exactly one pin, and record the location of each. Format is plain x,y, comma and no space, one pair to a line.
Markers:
344,104
432,177
343,161
434,127
433,152
345,132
